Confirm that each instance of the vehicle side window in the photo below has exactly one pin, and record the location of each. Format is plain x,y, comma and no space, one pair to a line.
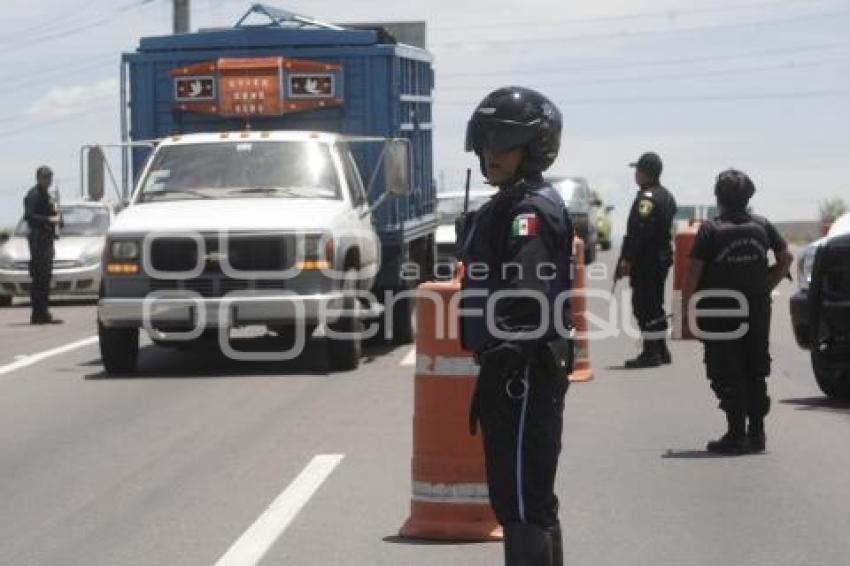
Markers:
353,179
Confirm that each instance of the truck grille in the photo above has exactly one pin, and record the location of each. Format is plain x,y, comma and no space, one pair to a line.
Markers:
212,287
243,253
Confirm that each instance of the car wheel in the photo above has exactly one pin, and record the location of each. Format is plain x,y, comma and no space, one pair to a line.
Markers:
835,383
345,351
5,300
119,349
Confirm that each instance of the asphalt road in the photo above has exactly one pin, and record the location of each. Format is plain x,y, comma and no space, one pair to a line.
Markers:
172,466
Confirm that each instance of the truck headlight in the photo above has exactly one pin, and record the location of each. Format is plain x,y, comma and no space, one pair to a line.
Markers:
124,250
318,251
804,267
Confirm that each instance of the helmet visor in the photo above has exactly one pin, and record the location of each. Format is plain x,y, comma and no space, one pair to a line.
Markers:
498,135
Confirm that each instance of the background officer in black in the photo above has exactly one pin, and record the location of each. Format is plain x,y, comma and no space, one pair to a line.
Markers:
646,257
730,253
523,237
42,217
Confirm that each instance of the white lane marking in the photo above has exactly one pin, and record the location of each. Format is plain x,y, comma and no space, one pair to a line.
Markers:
409,358
259,538
28,360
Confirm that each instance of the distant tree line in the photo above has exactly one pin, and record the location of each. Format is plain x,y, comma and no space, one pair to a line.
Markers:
832,208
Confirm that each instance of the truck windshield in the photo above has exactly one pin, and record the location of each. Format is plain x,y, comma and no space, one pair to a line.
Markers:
242,170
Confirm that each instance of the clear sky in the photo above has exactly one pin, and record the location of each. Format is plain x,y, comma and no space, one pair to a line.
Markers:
762,85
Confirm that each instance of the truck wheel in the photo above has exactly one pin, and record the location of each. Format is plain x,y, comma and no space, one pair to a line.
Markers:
5,300
119,349
344,353
835,383
403,325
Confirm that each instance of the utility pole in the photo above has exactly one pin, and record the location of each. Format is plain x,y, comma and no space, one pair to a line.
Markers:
181,16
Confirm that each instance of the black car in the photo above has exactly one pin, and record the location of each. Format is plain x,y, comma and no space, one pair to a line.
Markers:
820,309
584,206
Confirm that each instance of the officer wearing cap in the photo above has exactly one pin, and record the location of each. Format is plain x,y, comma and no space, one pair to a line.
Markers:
42,217
646,257
518,245
730,256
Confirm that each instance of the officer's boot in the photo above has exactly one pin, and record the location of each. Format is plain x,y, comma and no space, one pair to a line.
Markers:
648,358
735,440
557,546
527,545
664,352
755,434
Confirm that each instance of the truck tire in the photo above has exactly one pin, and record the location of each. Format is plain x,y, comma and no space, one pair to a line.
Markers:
5,300
344,353
835,383
119,349
403,325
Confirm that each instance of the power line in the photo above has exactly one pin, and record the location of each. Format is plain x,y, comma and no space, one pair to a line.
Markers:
669,14
788,66
678,99
620,64
563,38
99,22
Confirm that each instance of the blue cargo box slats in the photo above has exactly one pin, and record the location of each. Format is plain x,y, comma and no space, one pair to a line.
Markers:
386,92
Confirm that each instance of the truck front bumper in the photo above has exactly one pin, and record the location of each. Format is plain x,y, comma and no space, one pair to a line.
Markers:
165,312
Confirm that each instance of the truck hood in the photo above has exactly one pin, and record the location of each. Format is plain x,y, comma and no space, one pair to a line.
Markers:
213,215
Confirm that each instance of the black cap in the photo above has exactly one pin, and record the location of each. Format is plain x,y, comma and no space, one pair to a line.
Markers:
44,171
649,163
734,189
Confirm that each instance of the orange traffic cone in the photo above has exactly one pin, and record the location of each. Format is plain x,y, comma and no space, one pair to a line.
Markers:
578,305
450,499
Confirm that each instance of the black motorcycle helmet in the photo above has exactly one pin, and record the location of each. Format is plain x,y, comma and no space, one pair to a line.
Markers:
734,189
513,117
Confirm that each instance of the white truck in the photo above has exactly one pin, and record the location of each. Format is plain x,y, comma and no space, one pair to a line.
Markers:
282,179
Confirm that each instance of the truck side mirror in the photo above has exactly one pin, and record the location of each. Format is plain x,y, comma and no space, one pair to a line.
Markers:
96,163
397,166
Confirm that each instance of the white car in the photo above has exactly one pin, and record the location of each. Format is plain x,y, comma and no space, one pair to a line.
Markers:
820,310
77,257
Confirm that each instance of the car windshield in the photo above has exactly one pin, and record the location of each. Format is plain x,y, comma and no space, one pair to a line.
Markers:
569,190
242,170
76,221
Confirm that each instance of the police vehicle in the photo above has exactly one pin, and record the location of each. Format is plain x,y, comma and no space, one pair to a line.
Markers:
820,309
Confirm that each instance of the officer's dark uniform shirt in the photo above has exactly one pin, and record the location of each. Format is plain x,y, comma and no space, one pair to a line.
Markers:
648,231
734,247
520,240
38,208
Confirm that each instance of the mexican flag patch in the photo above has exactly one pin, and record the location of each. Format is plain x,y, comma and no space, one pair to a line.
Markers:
525,225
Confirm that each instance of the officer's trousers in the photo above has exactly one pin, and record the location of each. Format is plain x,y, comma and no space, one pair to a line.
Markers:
738,369
41,270
647,281
522,415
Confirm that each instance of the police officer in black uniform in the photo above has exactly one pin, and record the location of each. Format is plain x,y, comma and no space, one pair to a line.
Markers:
730,254
519,244
646,257
42,217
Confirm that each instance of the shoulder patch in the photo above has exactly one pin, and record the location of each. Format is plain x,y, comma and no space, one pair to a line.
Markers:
645,207
647,194
525,225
